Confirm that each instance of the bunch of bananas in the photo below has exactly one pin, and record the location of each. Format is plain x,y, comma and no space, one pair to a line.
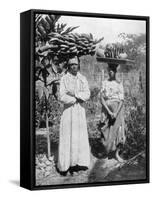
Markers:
71,44
55,39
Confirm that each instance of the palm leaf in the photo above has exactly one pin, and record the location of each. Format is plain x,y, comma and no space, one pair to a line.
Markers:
97,41
68,30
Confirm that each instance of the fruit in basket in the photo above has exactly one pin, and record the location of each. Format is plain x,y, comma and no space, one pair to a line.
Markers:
112,51
100,53
122,56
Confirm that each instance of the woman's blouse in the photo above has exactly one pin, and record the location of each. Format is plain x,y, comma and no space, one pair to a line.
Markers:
112,90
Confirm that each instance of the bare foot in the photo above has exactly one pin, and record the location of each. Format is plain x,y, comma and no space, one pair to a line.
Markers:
105,162
74,173
118,158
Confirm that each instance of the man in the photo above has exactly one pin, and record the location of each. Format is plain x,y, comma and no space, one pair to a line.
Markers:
73,139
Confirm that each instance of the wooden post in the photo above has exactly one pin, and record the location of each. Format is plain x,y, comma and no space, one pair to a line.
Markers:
102,78
101,85
48,138
122,78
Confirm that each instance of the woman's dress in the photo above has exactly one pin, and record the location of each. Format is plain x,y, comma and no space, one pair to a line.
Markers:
112,129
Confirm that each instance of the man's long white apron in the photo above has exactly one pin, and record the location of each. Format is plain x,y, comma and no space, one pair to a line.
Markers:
73,139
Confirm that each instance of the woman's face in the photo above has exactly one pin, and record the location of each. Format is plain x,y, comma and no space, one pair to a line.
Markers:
112,73
73,68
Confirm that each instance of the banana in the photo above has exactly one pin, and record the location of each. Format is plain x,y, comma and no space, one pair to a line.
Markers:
72,48
54,46
64,46
63,49
70,39
54,40
70,43
74,52
81,43
54,34
65,53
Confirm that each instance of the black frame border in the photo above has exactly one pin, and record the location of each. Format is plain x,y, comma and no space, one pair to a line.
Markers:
27,99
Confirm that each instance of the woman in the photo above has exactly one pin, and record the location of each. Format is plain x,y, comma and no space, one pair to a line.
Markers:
73,139
112,126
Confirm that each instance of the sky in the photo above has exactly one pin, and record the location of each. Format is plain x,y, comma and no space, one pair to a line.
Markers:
103,27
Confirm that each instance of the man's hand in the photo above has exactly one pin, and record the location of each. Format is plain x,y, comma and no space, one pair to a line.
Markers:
79,100
71,94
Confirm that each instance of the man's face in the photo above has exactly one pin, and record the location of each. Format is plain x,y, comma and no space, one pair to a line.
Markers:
46,61
73,68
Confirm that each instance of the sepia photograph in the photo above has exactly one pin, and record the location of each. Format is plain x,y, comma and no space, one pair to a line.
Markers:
90,99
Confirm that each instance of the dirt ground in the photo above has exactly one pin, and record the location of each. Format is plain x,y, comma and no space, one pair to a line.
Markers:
101,170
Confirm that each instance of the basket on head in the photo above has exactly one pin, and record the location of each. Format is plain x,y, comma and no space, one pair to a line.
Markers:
113,54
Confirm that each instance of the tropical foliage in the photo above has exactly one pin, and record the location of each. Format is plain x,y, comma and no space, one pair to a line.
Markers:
54,45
